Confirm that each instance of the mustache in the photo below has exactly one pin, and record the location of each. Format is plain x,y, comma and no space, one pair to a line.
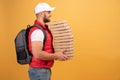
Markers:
46,19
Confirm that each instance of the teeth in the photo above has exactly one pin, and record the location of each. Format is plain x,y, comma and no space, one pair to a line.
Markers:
62,37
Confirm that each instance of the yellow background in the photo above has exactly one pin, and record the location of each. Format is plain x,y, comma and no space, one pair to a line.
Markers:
96,28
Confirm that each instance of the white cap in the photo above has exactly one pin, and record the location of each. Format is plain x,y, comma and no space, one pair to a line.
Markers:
43,7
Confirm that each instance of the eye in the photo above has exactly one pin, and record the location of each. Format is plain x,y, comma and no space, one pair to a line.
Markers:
49,11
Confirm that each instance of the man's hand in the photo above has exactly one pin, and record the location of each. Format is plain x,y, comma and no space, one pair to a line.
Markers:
61,56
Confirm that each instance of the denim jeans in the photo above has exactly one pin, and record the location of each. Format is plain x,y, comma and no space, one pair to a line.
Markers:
39,73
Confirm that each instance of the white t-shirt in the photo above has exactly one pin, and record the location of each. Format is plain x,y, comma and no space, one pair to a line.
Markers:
37,35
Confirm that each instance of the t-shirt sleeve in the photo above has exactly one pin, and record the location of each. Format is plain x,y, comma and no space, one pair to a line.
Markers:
37,35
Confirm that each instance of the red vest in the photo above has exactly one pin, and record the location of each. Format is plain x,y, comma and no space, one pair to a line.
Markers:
48,47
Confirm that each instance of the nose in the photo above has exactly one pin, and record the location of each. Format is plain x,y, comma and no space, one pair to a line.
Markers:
50,15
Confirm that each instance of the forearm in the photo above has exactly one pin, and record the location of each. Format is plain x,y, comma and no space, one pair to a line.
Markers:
50,56
43,55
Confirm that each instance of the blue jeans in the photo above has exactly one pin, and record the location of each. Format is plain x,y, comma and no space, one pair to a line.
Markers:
39,73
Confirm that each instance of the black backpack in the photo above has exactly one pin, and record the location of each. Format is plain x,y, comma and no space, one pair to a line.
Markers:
21,45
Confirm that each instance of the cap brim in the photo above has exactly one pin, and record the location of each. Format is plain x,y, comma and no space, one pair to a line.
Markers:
52,9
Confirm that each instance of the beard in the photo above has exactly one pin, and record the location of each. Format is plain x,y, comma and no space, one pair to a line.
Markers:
45,19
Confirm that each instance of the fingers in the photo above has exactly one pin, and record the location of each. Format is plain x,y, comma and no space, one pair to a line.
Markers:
61,57
65,57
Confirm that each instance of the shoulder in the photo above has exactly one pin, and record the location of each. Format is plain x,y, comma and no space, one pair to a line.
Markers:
37,35
37,31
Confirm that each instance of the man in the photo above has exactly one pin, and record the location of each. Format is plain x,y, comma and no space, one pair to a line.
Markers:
41,46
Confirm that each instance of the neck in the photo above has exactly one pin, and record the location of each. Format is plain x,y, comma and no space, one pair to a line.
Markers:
41,20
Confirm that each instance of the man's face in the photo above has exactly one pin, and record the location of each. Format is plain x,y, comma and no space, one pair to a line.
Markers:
47,15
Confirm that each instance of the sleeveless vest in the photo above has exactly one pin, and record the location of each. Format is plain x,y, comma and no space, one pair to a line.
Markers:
48,47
